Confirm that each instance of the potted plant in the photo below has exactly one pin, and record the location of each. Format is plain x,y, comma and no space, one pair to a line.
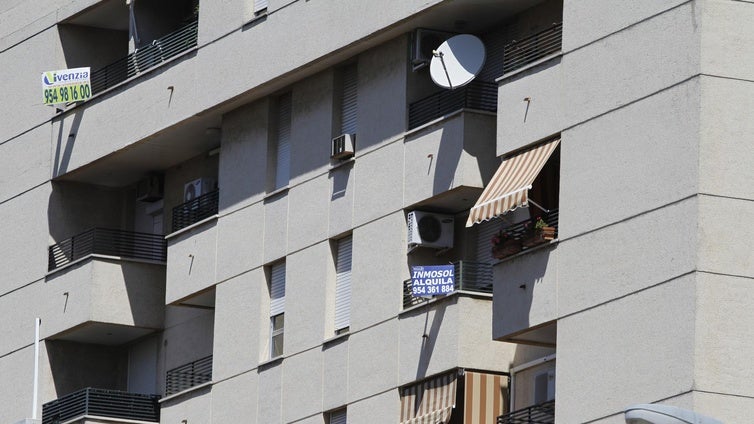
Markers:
504,244
537,232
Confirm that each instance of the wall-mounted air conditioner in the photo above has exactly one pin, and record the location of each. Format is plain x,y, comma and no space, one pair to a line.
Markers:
197,187
430,230
544,386
423,42
343,146
150,189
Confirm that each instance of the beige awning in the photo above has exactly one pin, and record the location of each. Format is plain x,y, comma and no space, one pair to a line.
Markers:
429,402
484,398
509,187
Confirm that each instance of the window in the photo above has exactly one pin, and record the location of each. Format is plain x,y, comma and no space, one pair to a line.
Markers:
277,309
282,142
260,7
348,101
336,417
343,285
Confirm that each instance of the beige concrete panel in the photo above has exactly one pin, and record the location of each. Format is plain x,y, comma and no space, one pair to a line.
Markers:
129,293
637,349
723,39
269,400
18,381
479,159
243,157
369,373
341,185
521,122
422,356
525,292
633,255
723,344
335,375
217,18
476,347
25,161
190,340
631,160
382,88
585,21
724,245
306,275
384,406
233,399
630,64
302,385
311,126
379,183
192,257
726,151
24,230
724,407
237,311
275,227
193,407
378,270
308,213
21,307
241,244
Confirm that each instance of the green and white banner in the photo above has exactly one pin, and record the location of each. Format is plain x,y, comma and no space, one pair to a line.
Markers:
66,86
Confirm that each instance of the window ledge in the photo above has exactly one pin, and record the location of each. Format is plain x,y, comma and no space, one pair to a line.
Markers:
270,363
336,164
277,192
335,339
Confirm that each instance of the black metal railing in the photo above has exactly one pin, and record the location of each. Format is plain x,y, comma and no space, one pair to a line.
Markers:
478,95
187,376
544,413
195,210
519,53
102,403
146,57
103,241
469,276
520,230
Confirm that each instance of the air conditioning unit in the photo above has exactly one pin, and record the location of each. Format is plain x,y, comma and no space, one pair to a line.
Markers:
343,146
424,41
430,230
194,189
150,189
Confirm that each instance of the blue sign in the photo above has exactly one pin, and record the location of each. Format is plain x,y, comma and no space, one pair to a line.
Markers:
432,280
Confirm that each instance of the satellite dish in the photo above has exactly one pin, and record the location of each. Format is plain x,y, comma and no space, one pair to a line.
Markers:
457,61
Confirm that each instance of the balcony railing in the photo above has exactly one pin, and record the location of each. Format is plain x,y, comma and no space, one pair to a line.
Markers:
478,95
544,413
189,375
146,57
520,53
469,276
103,241
102,403
519,230
195,210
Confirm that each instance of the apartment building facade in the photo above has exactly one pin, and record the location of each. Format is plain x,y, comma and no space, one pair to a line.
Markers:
223,232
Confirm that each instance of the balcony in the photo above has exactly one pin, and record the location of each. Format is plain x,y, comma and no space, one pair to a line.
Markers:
520,53
519,235
107,242
544,413
146,57
195,210
189,375
469,276
116,405
478,95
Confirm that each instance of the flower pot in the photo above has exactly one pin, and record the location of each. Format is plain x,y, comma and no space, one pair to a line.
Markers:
548,233
507,248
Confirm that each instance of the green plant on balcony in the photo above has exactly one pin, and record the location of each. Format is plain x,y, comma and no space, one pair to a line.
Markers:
537,231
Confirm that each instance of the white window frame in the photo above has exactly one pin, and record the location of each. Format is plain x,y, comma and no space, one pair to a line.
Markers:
277,307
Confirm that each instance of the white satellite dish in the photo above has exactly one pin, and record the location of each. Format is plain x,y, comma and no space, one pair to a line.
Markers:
457,61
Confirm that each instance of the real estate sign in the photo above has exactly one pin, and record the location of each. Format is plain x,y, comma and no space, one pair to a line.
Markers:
66,86
432,280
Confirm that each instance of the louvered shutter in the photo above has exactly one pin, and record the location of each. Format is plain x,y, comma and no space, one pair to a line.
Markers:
485,231
343,284
283,164
338,417
348,100
260,5
277,289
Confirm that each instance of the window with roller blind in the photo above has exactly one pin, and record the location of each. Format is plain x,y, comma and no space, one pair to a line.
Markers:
260,7
280,145
336,417
343,285
277,308
348,99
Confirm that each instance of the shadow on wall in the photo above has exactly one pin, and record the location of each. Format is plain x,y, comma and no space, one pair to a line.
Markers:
429,338
63,152
75,366
520,276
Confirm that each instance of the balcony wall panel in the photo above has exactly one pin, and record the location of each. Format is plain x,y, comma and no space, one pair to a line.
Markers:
307,275
242,241
225,395
723,40
193,407
25,161
521,122
302,385
192,257
455,152
378,183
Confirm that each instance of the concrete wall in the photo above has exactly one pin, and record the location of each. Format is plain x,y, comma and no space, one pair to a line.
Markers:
191,267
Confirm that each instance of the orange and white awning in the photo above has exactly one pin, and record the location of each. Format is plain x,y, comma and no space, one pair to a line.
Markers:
509,187
484,399
429,402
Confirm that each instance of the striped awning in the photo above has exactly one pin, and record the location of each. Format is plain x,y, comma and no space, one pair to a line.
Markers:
429,402
509,187
483,397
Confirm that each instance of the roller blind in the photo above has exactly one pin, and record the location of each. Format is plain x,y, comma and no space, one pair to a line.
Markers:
343,284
